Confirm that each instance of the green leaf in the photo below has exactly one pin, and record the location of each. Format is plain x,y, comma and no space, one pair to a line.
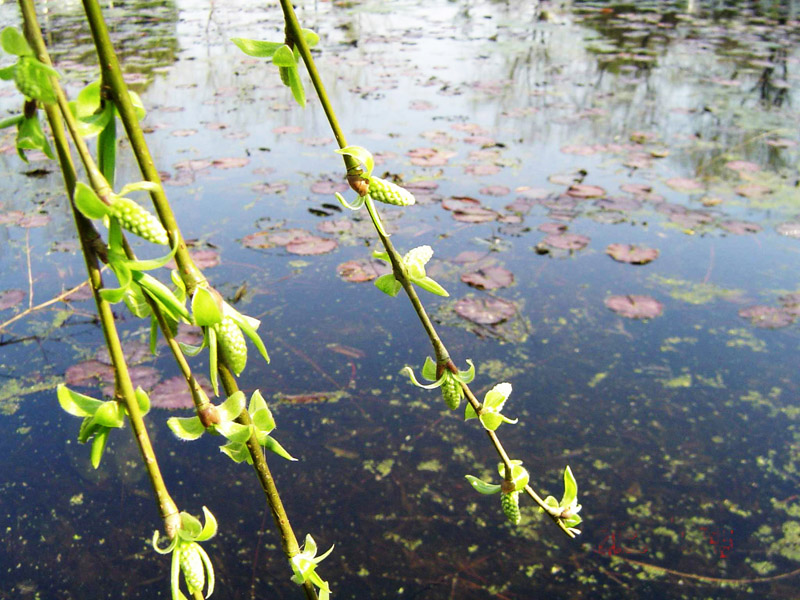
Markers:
15,120
13,42
296,84
107,149
152,263
496,398
206,309
138,105
31,137
186,428
311,38
483,487
235,432
388,284
429,369
7,73
273,445
190,527
357,203
519,475
244,323
257,403
98,447
237,452
363,156
123,273
211,341
428,284
76,404
88,203
257,48
469,412
88,101
263,420
491,421
232,407
283,57
110,414
143,400
570,488
139,186
468,375
88,429
162,295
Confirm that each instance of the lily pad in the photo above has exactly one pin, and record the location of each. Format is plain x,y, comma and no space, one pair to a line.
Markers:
632,254
173,393
311,245
490,278
88,372
336,226
789,229
685,185
767,317
740,227
552,228
635,306
753,190
485,311
468,210
566,241
10,298
583,190
361,270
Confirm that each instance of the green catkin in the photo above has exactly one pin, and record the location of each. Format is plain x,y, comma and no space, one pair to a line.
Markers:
389,193
451,392
510,503
192,567
231,344
137,220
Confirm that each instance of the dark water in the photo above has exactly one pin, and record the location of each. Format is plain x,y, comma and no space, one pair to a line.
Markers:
681,429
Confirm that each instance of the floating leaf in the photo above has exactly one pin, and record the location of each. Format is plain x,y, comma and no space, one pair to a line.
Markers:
10,298
566,241
685,185
767,317
634,306
485,311
582,190
361,270
629,253
490,278
311,245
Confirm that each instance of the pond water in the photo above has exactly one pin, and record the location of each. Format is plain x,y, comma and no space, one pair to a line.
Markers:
536,136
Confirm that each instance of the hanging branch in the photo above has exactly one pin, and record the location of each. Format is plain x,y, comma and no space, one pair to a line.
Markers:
563,513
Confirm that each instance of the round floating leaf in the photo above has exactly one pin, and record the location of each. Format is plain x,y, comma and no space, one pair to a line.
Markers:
767,317
311,245
743,166
635,307
566,241
11,298
753,190
583,190
359,271
685,185
490,278
740,227
173,393
628,253
485,311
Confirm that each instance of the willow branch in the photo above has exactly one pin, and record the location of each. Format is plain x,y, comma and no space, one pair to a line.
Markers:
294,32
167,507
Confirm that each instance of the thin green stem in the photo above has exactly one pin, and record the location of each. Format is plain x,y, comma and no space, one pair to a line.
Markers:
167,507
118,89
294,32
288,539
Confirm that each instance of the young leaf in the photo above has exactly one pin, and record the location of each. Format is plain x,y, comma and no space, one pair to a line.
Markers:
283,57
363,156
570,488
311,38
296,86
186,428
110,414
31,137
107,148
428,284
388,285
232,407
272,445
483,487
206,309
235,432
98,446
256,48
76,404
13,42
88,203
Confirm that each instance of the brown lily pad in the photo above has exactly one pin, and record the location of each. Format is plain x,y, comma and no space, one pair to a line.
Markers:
632,254
583,190
490,278
173,393
10,298
753,190
740,227
685,185
361,270
485,311
635,306
566,241
767,317
311,245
